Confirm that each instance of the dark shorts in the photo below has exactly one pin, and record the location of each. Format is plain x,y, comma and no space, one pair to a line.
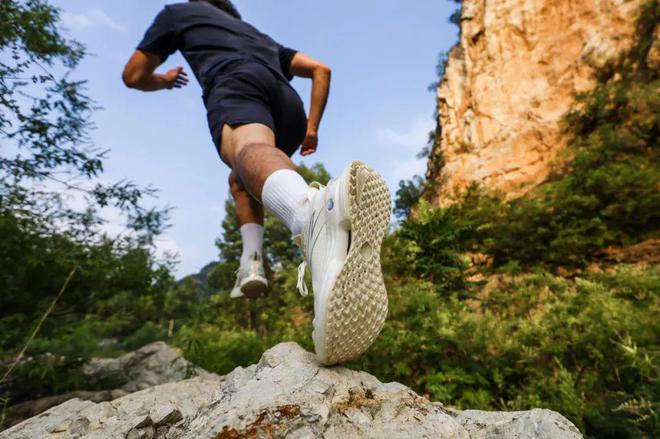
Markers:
247,92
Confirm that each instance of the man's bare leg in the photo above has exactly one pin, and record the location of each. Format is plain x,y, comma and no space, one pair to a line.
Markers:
350,219
261,172
250,215
248,209
266,172
251,153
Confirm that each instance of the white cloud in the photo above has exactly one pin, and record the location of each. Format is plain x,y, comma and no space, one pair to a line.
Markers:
405,169
90,19
413,136
190,257
401,146
168,246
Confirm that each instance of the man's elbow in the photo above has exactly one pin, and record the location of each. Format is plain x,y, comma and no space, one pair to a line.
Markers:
130,79
323,69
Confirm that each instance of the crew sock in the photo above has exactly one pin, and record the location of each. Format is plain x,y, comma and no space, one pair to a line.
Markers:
285,195
253,240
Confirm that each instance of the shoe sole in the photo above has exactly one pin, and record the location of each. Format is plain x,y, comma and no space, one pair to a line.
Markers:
254,289
357,303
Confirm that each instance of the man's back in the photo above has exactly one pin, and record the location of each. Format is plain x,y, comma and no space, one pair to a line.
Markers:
209,39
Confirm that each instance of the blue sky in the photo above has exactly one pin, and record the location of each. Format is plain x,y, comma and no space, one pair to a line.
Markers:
382,53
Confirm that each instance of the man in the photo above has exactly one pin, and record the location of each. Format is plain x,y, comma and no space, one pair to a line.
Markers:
258,121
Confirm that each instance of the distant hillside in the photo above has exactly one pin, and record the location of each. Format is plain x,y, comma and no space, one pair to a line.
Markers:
200,279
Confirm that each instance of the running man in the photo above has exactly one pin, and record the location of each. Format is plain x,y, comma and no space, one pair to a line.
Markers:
257,122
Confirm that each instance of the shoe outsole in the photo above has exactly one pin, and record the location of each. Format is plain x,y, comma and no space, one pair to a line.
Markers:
254,289
357,304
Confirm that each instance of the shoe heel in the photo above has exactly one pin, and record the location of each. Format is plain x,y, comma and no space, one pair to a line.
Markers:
343,200
254,289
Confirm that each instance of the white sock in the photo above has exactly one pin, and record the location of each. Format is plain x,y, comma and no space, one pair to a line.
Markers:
253,240
285,195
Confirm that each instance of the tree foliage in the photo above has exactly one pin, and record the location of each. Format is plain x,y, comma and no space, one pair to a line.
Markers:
407,196
46,160
45,118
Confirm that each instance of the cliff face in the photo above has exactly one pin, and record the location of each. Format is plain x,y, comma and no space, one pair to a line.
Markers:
508,82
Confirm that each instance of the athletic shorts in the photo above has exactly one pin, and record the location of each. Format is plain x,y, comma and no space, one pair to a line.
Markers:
248,92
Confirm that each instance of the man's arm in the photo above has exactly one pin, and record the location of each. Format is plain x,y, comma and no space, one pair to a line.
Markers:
307,67
139,74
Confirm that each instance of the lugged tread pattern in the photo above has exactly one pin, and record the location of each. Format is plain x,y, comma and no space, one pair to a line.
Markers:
254,289
357,304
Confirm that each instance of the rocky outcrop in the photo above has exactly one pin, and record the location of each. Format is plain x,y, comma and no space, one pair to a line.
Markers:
152,365
288,394
535,423
509,81
24,410
148,413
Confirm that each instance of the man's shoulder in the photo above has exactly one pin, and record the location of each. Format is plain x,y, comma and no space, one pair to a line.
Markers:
189,6
192,10
178,6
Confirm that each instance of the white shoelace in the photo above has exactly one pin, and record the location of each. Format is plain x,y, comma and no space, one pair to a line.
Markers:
302,286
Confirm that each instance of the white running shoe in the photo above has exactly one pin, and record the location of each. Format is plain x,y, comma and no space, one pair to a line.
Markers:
341,242
251,279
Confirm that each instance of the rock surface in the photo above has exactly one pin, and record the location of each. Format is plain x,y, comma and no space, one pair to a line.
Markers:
288,394
28,409
154,364
510,80
532,424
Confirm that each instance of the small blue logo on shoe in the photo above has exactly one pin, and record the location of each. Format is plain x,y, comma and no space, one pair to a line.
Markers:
331,204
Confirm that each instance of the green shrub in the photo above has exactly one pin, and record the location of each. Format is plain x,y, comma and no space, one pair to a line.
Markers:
221,351
148,333
582,347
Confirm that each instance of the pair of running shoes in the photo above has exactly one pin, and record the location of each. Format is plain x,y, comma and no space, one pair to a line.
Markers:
340,241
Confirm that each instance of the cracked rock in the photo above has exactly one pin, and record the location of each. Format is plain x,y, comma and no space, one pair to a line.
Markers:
287,395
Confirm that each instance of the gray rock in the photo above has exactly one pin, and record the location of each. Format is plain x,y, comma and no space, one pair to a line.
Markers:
140,415
28,409
154,364
533,424
288,394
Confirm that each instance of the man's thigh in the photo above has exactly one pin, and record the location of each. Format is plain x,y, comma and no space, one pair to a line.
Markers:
236,138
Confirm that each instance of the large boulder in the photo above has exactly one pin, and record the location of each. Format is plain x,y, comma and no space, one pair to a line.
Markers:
288,394
154,364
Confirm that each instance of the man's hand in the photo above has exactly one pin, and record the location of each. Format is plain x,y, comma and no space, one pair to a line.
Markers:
139,74
176,78
310,143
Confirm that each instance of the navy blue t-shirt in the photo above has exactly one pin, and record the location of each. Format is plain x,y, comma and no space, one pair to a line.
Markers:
210,39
